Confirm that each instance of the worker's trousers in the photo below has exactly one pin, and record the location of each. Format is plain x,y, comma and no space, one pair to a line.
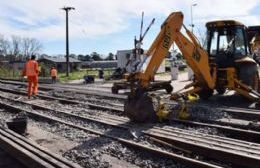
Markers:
53,79
32,85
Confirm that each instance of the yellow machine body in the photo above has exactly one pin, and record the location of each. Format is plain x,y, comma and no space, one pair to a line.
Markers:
209,71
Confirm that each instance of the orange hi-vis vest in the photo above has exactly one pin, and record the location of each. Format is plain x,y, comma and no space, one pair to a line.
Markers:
53,72
31,68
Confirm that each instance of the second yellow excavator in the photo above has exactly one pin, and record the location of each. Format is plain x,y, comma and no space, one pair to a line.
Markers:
225,64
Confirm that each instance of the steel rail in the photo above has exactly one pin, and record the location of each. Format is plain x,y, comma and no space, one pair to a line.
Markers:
30,154
237,132
179,158
236,112
180,139
69,88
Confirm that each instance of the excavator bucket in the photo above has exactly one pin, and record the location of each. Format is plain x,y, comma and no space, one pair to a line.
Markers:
142,107
146,107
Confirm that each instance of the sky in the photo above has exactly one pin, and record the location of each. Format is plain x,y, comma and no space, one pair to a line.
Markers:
105,26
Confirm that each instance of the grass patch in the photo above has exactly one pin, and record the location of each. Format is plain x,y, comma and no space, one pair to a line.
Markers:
75,75
10,73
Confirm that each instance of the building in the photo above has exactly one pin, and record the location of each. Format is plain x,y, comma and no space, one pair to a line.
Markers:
17,65
123,57
60,63
4,63
100,64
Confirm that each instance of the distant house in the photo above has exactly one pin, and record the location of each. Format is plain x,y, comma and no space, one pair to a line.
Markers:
60,63
123,56
17,65
4,63
100,64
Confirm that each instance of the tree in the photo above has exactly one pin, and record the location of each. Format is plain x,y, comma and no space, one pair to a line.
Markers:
95,56
29,46
16,46
81,57
4,46
2,58
73,56
84,57
25,46
110,56
88,58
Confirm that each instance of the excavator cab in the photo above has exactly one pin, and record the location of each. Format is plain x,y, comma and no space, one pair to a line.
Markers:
226,42
227,48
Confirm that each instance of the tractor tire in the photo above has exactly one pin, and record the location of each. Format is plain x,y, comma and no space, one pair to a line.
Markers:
169,89
220,90
114,90
248,74
205,93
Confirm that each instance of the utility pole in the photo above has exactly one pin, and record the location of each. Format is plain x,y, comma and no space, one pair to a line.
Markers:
67,9
191,16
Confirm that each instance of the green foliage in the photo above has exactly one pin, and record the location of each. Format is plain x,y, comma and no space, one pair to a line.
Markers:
95,56
8,72
110,56
75,75
45,69
84,58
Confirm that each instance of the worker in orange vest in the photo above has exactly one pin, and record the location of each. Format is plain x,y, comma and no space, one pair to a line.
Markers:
31,70
53,74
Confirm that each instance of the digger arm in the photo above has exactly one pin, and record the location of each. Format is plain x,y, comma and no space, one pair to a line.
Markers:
195,55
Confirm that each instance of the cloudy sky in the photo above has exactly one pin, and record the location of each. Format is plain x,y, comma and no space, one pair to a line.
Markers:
108,25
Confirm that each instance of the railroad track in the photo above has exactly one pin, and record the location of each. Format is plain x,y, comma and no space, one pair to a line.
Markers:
87,91
244,132
223,149
235,112
240,112
125,141
30,154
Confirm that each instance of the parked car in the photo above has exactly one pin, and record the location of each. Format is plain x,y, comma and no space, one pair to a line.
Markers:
181,65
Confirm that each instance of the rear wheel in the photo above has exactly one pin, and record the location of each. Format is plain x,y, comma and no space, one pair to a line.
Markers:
169,88
114,90
221,90
256,82
205,93
248,74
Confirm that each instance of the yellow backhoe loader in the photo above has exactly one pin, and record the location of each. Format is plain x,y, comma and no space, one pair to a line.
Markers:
225,64
255,48
255,42
253,33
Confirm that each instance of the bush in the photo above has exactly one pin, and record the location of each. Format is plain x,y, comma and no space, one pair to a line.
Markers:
45,70
8,72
